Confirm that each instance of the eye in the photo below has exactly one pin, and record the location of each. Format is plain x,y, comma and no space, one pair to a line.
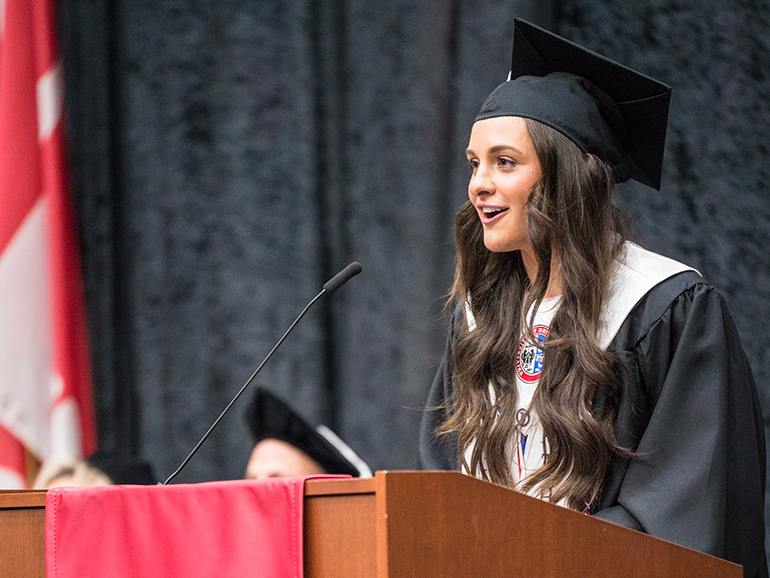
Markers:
505,162
473,164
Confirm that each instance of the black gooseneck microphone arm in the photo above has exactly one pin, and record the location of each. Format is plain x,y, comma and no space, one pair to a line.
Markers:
329,287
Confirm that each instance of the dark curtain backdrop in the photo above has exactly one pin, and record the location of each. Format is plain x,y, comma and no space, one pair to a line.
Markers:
229,157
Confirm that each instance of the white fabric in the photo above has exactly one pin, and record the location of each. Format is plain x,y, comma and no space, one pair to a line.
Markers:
11,480
50,100
25,338
638,272
527,448
363,469
66,440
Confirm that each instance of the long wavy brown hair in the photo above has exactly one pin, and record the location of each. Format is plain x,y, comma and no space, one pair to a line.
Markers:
570,219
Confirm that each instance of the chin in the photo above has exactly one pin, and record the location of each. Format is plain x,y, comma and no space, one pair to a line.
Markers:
497,246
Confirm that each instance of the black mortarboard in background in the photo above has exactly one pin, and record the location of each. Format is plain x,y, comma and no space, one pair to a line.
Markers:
270,417
122,468
607,109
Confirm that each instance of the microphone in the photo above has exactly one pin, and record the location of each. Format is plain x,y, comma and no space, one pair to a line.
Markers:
342,277
329,287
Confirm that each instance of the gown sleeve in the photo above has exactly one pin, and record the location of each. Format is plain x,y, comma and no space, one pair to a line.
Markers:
439,453
690,412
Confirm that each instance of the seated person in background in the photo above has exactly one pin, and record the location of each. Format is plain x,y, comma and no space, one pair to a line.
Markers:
100,469
286,445
56,473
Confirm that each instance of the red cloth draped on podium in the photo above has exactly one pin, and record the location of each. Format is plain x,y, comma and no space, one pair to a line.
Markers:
220,529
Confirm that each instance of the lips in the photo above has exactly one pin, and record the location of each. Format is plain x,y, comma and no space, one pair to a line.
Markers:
491,214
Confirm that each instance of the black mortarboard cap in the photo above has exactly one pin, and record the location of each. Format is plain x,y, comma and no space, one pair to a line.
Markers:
270,417
604,107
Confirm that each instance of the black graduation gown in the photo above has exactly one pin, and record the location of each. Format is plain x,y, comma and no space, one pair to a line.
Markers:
690,410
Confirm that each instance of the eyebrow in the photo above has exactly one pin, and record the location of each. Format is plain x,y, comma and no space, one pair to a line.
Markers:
495,149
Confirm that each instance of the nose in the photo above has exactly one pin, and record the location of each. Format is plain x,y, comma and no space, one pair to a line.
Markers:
481,182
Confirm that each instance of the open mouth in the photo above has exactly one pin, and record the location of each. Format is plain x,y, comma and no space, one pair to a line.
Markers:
489,214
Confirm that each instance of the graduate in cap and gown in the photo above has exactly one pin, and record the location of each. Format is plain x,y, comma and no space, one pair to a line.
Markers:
287,445
581,368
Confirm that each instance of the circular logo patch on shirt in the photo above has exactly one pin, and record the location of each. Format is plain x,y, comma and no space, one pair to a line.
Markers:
530,362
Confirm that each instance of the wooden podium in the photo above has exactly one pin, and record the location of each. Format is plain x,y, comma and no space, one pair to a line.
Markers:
424,525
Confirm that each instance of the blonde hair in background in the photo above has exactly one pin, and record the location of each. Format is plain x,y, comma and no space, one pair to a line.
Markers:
78,473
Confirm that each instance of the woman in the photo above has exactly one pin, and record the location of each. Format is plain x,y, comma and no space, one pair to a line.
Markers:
580,368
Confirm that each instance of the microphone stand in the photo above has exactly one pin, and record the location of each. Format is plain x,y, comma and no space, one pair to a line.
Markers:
329,287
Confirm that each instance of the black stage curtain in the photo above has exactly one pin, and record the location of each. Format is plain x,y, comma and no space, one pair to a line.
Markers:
229,157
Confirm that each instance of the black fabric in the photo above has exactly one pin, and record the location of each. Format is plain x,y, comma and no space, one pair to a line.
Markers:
607,109
439,452
271,417
123,468
229,158
692,413
690,410
572,105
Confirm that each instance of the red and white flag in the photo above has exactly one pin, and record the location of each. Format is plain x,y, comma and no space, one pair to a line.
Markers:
45,398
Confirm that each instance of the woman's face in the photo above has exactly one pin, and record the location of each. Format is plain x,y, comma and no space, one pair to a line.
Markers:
504,169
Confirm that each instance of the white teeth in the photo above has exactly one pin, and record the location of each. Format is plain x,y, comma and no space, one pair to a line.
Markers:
489,210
